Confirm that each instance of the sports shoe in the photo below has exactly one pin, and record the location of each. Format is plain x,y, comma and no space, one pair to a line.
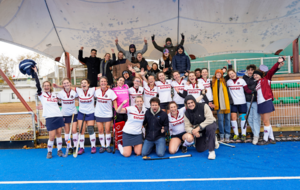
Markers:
184,149
108,149
81,151
60,153
236,137
227,140
263,142
243,138
94,150
102,150
71,151
212,155
272,141
255,140
49,155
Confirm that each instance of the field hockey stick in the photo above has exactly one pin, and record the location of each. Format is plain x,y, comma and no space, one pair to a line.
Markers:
232,146
75,154
170,157
248,111
69,139
114,132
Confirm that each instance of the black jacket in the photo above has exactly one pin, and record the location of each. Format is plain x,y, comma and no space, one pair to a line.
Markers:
93,67
251,83
129,81
143,63
108,71
172,49
154,123
168,65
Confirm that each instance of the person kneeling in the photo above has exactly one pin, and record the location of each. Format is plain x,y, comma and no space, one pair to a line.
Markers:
200,122
156,124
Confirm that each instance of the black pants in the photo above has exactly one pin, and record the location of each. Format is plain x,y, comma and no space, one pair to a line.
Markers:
207,139
121,117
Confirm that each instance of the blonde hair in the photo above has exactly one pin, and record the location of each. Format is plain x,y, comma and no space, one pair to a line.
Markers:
138,97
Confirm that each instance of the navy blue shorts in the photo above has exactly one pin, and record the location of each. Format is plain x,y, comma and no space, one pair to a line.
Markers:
132,140
178,135
265,107
68,119
54,123
164,105
239,108
103,119
180,106
88,117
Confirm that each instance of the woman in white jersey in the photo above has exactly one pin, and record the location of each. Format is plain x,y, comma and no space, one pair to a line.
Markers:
136,90
265,98
164,90
106,99
236,87
67,97
178,85
150,90
132,131
206,83
54,118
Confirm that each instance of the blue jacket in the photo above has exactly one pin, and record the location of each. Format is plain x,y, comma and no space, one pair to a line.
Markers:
181,62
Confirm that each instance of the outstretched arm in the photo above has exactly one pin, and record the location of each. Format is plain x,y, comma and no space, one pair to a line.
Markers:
118,46
38,85
80,58
120,108
145,48
159,48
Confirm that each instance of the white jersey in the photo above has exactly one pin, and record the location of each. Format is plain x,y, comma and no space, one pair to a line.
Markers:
86,100
135,120
68,107
194,89
104,104
148,94
164,91
133,93
207,86
50,106
260,97
236,90
176,124
176,98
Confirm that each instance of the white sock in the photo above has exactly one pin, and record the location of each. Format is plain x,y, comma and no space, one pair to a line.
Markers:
120,148
50,145
75,139
266,132
59,143
235,127
81,143
271,134
108,139
242,126
66,141
186,143
101,139
93,140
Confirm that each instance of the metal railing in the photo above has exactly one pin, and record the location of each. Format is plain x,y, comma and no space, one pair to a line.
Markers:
17,126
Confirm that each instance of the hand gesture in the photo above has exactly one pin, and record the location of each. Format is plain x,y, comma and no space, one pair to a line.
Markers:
55,85
165,70
124,102
281,59
152,37
81,48
142,73
162,130
186,74
162,63
228,61
100,75
211,105
195,131
145,40
197,135
115,77
39,107
182,36
112,50
203,92
130,67
116,40
35,69
176,89
148,67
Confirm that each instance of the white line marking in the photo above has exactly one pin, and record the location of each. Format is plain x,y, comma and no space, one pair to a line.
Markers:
151,180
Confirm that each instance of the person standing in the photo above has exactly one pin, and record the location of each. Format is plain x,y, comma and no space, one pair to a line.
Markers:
165,64
106,67
172,49
132,53
181,62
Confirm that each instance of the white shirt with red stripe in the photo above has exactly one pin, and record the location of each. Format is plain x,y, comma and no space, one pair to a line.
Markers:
194,89
236,90
176,98
133,93
104,104
207,86
86,100
67,102
148,94
164,91
260,97
176,124
50,106
135,120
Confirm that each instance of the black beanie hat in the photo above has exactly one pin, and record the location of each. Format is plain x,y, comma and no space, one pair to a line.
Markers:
258,72
168,40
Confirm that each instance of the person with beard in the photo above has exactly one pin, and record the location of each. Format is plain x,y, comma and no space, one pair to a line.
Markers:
181,62
172,49
93,66
132,53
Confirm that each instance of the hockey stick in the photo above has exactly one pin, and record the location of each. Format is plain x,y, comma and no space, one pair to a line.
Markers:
114,132
69,139
75,154
170,157
232,146
249,111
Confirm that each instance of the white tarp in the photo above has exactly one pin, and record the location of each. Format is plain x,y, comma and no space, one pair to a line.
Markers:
210,26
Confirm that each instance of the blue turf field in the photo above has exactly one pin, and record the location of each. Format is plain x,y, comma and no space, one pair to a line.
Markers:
246,160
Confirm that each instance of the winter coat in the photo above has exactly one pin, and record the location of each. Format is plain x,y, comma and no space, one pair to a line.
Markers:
129,55
107,69
181,62
143,63
172,49
121,65
251,83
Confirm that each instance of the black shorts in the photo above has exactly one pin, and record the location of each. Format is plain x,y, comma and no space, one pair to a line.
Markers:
239,108
164,105
178,135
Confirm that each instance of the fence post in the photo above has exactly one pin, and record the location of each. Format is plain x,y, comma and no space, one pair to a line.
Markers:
37,112
261,61
208,66
289,64
33,125
74,75
234,64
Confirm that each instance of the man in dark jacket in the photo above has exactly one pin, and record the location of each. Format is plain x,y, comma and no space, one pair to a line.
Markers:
132,53
143,63
181,62
172,49
93,66
128,77
156,123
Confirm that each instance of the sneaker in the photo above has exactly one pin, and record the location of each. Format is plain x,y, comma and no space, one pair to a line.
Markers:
227,140
212,155
236,137
263,142
255,140
60,153
102,150
272,141
49,155
108,149
94,150
243,138
81,151
184,149
71,151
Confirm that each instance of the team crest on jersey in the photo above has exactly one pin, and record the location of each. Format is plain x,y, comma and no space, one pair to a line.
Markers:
142,112
71,96
53,96
105,96
139,91
179,116
166,82
89,95
183,83
238,83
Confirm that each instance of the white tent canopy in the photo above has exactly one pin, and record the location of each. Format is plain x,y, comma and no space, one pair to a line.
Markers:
210,26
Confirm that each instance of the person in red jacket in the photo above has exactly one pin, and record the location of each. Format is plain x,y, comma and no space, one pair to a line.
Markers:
265,98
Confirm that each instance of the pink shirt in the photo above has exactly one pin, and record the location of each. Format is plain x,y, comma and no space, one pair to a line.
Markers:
122,94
